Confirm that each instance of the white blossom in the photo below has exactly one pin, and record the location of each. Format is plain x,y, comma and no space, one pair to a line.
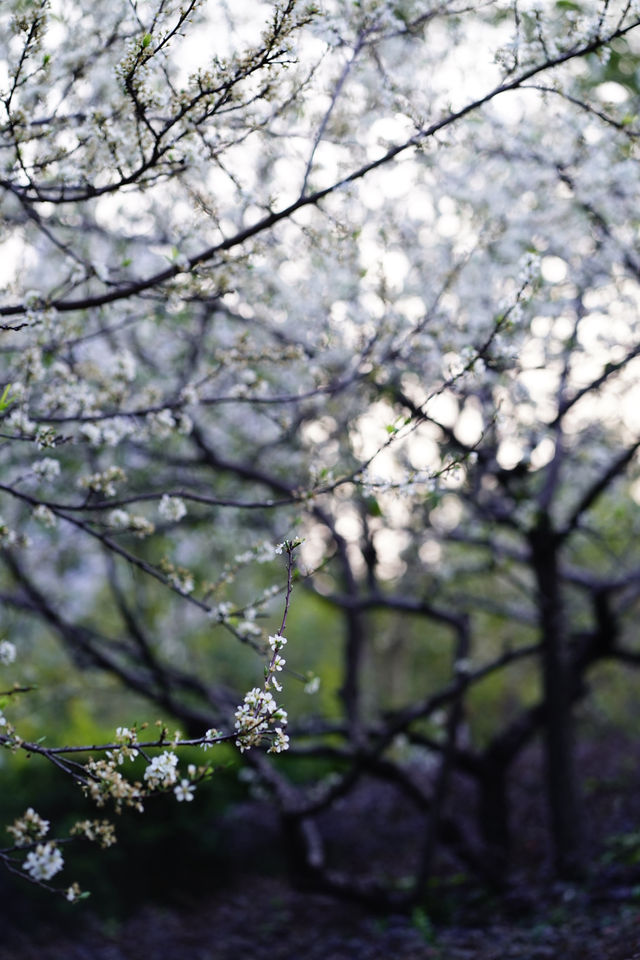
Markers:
124,364
280,741
210,737
119,519
103,482
46,469
257,716
29,827
161,424
44,862
45,516
276,642
7,652
172,508
140,526
162,771
184,791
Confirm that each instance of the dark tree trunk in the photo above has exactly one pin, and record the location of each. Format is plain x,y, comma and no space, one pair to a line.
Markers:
562,791
493,814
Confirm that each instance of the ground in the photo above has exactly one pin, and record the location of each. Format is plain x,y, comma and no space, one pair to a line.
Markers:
243,907
262,917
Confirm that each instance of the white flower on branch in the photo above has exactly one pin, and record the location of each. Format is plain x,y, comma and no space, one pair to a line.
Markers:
7,536
27,828
46,469
172,508
106,783
161,424
184,791
162,771
19,422
46,437
7,652
45,516
210,738
99,831
257,717
44,862
276,642
103,482
140,526
119,519
280,741
122,520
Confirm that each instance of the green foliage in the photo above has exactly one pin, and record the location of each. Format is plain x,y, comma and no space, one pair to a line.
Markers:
623,849
423,925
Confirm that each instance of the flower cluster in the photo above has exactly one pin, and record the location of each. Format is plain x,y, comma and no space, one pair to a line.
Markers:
73,893
27,828
162,771
171,508
105,783
104,482
8,537
122,520
46,469
7,652
161,424
100,831
210,738
257,716
109,432
44,862
276,663
126,735
45,516
127,739
180,578
221,611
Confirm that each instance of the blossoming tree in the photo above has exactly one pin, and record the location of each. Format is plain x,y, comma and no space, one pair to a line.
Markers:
351,284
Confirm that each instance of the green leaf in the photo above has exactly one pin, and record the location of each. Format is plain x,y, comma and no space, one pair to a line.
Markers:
5,400
423,924
146,40
373,507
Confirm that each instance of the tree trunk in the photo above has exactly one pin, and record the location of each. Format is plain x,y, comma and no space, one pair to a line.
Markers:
562,792
493,815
